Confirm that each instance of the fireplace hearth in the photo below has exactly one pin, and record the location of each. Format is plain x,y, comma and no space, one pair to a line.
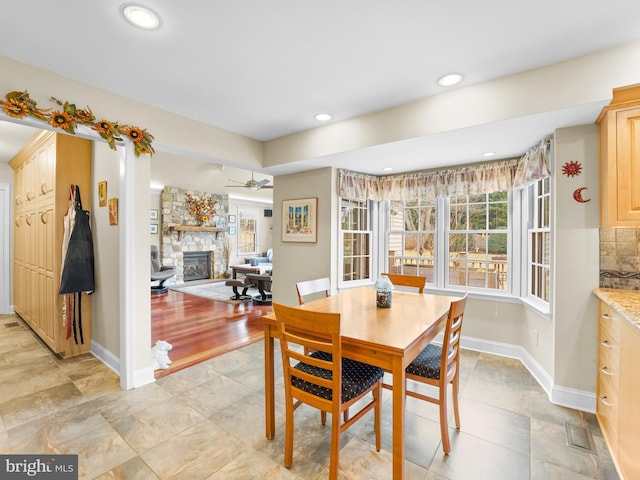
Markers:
196,265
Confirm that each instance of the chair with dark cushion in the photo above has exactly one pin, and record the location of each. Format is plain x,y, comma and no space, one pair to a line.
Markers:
263,283
159,273
323,380
440,366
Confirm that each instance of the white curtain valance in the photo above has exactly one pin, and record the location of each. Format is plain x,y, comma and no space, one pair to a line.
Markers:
469,180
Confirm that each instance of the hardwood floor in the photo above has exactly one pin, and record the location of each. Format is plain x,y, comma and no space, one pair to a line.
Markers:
200,328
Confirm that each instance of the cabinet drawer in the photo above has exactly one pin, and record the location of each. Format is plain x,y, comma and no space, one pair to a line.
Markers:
609,325
608,358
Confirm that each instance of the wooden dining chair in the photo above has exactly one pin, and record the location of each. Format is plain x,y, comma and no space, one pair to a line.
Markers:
439,366
310,287
407,280
324,379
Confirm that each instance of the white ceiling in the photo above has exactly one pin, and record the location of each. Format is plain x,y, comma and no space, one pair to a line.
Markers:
263,68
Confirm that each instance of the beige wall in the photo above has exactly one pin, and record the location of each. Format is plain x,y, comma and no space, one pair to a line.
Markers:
294,262
576,259
106,299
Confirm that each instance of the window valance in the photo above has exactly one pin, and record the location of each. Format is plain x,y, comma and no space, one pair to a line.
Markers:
468,180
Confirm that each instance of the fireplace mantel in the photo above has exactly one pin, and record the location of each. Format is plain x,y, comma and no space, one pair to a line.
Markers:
195,228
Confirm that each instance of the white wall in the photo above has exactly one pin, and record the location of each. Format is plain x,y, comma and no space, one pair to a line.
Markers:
6,264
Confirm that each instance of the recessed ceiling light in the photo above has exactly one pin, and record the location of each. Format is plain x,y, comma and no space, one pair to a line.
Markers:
387,169
141,17
322,117
450,79
488,154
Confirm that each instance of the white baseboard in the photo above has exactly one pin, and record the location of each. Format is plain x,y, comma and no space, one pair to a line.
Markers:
557,394
141,377
106,357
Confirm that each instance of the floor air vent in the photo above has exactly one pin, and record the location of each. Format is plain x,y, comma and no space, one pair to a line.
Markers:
11,324
579,437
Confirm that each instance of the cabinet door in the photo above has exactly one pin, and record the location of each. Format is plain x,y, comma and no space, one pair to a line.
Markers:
628,160
45,168
629,439
46,281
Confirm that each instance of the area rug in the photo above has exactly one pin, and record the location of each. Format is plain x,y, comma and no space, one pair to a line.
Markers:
214,290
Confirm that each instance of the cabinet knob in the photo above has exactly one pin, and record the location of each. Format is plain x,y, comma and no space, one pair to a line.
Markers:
605,343
43,217
18,200
30,196
606,371
605,401
28,219
43,188
18,221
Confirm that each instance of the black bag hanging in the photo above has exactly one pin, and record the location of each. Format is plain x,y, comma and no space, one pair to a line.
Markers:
77,272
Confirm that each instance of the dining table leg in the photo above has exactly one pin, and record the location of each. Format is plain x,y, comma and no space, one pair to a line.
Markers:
399,399
269,389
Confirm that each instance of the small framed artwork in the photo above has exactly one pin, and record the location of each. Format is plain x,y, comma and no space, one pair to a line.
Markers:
154,228
300,220
154,214
102,193
113,211
232,219
232,230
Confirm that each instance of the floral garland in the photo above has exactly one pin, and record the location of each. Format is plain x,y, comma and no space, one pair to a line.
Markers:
201,208
19,105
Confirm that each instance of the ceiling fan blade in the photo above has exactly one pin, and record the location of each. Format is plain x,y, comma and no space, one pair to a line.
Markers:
236,186
237,181
262,183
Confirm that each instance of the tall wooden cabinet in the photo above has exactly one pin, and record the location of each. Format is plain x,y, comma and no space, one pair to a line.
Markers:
44,170
619,124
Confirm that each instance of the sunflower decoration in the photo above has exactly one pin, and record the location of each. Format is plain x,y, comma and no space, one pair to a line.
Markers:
140,137
109,131
19,105
70,116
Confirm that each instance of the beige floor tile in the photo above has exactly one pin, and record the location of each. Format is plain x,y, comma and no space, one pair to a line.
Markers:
207,422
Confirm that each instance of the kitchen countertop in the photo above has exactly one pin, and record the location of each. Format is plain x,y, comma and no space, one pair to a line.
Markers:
624,302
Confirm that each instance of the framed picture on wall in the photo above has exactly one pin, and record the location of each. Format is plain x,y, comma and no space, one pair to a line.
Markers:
154,228
102,193
113,211
232,219
300,220
154,214
232,230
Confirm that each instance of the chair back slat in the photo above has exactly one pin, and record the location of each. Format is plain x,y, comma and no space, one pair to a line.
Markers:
452,334
407,281
309,287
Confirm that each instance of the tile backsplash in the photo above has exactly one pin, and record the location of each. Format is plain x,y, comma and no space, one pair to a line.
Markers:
620,258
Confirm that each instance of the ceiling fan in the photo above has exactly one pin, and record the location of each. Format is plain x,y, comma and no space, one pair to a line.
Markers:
251,184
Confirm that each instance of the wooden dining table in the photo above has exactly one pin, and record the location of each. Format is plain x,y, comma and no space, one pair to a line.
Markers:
389,338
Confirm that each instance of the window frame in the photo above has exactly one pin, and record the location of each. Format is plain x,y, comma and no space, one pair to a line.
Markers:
373,221
247,214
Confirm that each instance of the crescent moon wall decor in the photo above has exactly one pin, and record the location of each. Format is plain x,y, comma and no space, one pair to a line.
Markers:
577,195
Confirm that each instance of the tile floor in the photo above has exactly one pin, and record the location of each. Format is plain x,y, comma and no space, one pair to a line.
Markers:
206,422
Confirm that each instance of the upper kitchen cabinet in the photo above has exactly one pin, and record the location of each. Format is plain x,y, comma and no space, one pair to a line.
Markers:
619,124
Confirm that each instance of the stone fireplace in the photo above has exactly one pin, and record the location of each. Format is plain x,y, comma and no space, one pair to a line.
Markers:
184,237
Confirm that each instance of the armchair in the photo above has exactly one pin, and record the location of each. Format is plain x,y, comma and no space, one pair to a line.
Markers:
159,273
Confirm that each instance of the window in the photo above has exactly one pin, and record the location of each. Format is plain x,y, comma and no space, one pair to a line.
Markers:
412,238
539,241
248,237
477,240
356,233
